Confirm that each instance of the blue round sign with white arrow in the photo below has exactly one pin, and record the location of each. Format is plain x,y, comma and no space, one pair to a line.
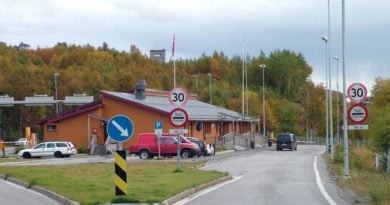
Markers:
120,128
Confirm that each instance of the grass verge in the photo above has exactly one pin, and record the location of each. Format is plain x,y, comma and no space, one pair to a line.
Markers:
94,183
6,159
364,179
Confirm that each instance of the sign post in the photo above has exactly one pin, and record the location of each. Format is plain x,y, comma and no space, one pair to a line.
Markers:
158,125
357,113
120,128
178,118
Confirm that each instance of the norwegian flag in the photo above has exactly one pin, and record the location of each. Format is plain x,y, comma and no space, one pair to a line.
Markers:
173,46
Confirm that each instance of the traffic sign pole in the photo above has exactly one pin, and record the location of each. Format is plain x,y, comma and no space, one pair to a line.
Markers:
178,117
158,131
120,128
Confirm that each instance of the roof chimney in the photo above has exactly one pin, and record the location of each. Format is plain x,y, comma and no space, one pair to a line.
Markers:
140,90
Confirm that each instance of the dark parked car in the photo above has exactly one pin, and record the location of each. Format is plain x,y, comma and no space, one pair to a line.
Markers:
202,145
286,141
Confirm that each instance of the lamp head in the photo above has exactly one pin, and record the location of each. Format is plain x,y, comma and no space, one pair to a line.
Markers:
324,38
262,65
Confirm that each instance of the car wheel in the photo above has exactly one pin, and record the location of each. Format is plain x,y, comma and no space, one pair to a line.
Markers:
185,154
57,154
26,155
144,154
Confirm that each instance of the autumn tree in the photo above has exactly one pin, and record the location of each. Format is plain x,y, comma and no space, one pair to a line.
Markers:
380,110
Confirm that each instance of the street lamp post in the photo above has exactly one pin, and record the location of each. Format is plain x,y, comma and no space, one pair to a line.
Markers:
243,76
337,100
55,86
196,82
246,89
325,39
211,100
263,66
330,88
345,122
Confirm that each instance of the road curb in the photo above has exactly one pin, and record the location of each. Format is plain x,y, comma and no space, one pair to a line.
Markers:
191,191
50,194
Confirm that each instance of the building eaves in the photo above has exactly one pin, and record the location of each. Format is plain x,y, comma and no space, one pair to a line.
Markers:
72,112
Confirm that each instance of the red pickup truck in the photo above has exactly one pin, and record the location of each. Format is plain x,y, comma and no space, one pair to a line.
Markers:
147,146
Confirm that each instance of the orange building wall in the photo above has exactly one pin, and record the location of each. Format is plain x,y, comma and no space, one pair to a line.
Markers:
142,118
74,129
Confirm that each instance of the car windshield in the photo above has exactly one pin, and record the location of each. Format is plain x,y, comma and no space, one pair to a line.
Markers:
285,137
183,139
39,146
193,139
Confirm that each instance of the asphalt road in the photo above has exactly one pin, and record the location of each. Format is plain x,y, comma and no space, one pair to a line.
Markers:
271,177
17,195
261,176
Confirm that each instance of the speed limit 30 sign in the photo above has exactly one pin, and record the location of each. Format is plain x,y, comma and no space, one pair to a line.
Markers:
178,96
357,92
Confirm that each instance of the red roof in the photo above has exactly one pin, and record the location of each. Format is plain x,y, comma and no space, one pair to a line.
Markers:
73,112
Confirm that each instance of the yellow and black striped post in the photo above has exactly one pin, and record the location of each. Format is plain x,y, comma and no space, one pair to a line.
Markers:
120,173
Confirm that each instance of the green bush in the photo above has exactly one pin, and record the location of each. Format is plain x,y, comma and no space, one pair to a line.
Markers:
18,148
338,156
81,149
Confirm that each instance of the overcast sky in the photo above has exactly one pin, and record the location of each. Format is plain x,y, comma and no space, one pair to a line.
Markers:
204,26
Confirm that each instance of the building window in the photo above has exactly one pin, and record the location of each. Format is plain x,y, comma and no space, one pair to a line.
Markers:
51,128
199,126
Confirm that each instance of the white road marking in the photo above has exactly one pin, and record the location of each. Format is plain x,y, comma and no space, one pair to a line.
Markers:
320,185
196,195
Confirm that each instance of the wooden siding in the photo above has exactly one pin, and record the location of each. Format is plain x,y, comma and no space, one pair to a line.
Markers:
75,128
143,119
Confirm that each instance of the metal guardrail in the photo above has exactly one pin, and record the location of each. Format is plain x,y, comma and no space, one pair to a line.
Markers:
45,100
232,140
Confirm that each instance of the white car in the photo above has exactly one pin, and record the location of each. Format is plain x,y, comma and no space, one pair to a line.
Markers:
56,149
21,142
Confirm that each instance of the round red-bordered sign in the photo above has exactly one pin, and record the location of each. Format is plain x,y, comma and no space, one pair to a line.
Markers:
178,117
357,92
357,113
178,96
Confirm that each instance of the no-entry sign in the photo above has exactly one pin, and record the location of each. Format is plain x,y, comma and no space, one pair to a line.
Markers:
178,117
357,113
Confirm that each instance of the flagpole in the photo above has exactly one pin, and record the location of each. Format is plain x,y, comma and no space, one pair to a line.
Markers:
174,72
243,77
174,62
